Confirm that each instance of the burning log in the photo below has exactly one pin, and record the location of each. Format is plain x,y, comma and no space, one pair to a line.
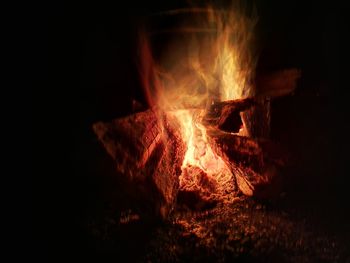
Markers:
149,149
257,118
225,115
148,153
255,163
268,86
229,116
253,112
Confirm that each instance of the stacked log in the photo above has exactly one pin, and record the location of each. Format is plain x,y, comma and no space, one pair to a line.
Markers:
148,151
267,87
255,162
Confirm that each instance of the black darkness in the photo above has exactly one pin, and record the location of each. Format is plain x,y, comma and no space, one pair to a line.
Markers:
86,71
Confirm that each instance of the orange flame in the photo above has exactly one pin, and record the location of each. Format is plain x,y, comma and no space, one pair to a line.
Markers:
210,67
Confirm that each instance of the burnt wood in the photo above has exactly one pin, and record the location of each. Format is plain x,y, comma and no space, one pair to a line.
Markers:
148,153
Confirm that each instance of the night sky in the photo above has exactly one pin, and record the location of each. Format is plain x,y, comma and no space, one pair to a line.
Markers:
85,70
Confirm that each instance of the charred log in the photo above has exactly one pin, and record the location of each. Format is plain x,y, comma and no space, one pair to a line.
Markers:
256,164
257,118
254,113
225,115
148,154
230,116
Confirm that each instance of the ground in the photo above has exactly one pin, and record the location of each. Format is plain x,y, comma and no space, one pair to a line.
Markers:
245,231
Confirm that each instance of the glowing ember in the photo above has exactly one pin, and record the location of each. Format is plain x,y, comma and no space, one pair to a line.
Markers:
199,154
216,66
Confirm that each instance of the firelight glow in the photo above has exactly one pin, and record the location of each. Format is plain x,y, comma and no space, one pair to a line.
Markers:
213,67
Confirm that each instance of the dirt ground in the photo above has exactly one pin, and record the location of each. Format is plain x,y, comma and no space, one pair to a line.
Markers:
245,231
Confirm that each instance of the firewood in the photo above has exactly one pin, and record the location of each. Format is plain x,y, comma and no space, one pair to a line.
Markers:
231,115
278,83
257,118
255,163
225,115
130,140
148,153
242,150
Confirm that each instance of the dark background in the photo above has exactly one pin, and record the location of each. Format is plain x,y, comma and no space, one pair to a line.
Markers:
85,70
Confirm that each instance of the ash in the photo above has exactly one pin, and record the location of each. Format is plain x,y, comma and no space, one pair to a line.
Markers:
245,230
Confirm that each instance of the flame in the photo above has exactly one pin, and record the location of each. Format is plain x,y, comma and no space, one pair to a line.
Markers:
199,154
207,68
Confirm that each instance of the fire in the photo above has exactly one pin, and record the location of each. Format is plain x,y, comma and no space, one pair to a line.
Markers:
208,68
200,157
199,153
